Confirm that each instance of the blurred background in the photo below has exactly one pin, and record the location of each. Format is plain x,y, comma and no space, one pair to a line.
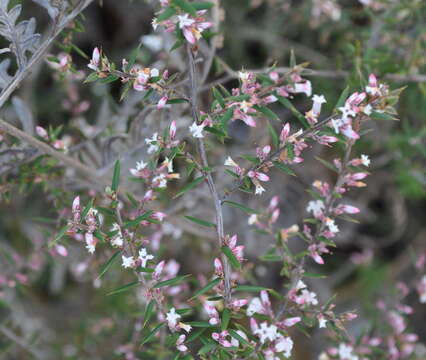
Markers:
55,303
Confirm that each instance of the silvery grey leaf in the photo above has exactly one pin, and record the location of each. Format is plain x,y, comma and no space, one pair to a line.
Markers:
21,35
24,114
53,7
5,78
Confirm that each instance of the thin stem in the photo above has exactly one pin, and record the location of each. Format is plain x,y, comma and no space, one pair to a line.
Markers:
15,338
210,181
46,149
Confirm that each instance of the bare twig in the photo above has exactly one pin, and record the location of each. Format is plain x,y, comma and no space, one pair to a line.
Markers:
16,339
211,184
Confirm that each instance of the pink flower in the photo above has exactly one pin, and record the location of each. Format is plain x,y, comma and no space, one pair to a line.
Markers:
258,175
162,102
305,87
42,133
180,343
172,131
285,132
212,313
221,338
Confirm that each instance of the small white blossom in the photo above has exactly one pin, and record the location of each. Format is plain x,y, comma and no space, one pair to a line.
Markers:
184,20
128,262
266,332
230,162
368,109
196,130
252,219
255,306
346,352
172,318
153,146
144,257
365,160
160,180
285,345
331,225
318,101
316,207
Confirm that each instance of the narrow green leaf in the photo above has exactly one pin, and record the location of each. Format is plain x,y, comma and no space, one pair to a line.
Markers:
218,96
116,176
250,288
190,186
206,288
382,116
200,324
284,101
139,219
224,119
267,112
185,6
342,98
166,14
108,264
207,348
92,77
312,275
124,288
238,337
284,168
326,163
226,316
152,333
231,257
240,206
274,135
61,233
200,221
148,313
109,79
202,5
176,280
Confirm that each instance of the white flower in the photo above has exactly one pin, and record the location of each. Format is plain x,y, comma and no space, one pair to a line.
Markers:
318,101
259,189
230,162
346,352
336,123
266,332
154,72
300,285
308,297
255,306
184,20
316,207
305,87
322,322
160,180
172,318
243,75
368,109
144,257
169,163
252,219
128,262
153,146
196,130
365,160
331,225
90,248
118,240
284,344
